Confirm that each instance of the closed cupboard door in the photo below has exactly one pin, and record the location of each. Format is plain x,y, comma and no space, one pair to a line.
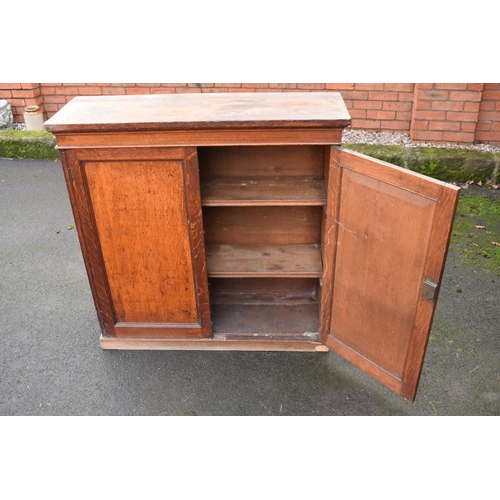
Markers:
392,233
140,226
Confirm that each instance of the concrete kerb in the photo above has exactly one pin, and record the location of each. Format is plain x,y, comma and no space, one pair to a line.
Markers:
452,165
446,164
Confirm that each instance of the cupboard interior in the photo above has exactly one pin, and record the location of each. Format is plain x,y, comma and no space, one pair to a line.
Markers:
262,216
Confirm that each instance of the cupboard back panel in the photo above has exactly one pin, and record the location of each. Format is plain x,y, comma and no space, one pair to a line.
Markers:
262,225
257,308
261,161
263,290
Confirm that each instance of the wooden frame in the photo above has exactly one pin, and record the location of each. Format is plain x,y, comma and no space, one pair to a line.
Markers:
75,162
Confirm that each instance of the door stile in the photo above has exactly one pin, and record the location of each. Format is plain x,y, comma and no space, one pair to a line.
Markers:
89,241
333,180
435,262
196,235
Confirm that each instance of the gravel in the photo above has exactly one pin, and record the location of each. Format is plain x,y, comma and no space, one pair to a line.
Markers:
386,138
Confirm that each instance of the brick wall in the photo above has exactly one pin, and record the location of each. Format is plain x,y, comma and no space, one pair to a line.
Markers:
379,106
437,112
488,124
446,112
20,95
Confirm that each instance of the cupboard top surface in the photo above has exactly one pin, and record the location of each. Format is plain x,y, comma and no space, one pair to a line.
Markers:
201,111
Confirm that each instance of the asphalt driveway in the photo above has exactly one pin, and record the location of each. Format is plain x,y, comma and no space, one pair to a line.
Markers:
51,362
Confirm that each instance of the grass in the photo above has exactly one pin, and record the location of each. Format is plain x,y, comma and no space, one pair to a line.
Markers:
37,144
477,227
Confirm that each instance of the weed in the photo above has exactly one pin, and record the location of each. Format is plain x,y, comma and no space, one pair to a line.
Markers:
476,228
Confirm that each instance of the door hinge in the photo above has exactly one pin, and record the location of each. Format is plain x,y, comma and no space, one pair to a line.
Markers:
429,290
68,167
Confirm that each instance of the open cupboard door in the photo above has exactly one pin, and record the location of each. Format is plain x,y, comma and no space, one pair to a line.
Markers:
392,233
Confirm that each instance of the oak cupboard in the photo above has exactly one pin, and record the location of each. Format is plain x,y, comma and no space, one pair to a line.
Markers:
237,221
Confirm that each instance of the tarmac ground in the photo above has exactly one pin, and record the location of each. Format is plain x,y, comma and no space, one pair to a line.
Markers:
51,362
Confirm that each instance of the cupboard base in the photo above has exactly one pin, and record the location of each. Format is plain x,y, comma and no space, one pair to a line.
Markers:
215,344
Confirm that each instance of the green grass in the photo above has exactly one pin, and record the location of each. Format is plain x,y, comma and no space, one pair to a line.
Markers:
28,144
475,244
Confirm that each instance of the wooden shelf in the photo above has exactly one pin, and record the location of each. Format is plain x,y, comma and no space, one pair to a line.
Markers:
263,191
300,321
232,261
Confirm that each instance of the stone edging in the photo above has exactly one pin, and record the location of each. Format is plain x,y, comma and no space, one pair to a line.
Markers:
452,165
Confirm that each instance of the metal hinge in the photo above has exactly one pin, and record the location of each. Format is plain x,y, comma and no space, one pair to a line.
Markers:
68,167
429,289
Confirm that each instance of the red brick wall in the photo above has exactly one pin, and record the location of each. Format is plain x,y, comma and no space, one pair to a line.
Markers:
378,106
20,95
446,112
437,112
488,124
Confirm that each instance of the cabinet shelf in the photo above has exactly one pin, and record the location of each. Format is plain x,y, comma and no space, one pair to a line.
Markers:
264,261
263,191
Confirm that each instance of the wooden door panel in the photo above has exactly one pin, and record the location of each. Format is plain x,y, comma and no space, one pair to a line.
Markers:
145,246
140,214
393,229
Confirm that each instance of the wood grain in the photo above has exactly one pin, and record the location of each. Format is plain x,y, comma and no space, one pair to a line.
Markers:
295,225
264,260
197,240
200,111
261,161
329,230
388,234
140,213
196,138
263,290
438,248
263,191
132,153
218,343
266,320
124,213
379,268
89,241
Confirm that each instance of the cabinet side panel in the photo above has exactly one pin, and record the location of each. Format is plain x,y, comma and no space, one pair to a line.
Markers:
140,213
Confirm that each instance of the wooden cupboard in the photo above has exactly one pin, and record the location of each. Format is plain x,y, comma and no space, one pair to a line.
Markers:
237,221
